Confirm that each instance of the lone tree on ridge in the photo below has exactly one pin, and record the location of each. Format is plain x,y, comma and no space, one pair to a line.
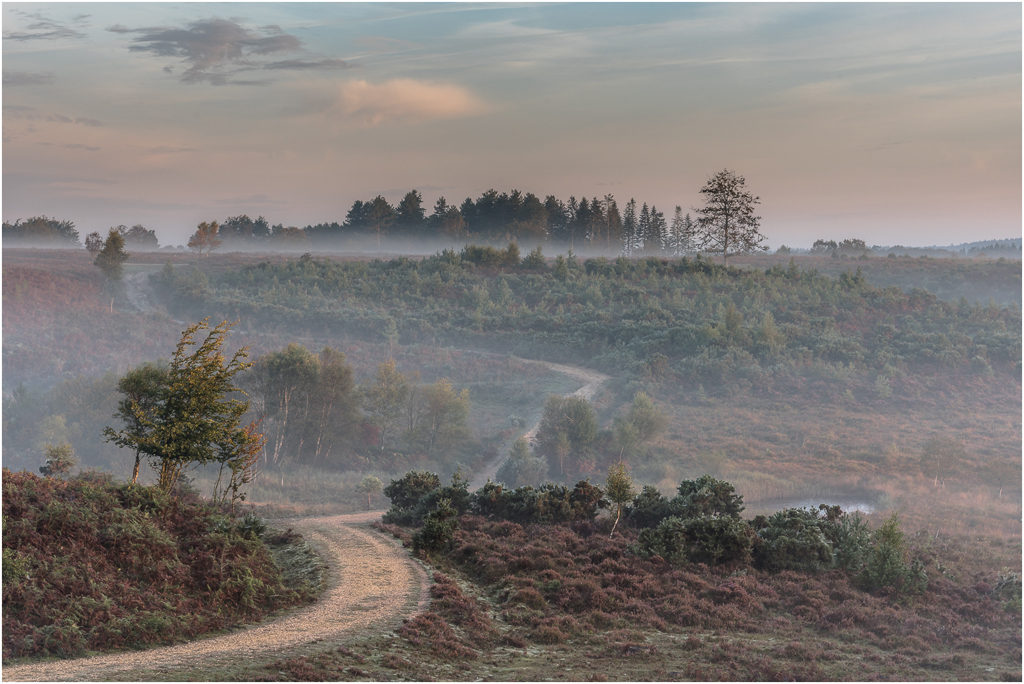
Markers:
726,223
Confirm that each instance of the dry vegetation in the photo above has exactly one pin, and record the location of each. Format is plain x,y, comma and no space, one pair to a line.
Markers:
798,423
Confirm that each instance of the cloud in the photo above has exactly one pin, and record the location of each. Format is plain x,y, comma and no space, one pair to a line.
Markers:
32,114
77,146
214,49
299,64
43,29
404,100
26,78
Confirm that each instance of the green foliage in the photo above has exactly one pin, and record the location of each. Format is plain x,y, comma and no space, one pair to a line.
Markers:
60,460
112,256
568,428
619,489
489,256
941,458
707,496
192,420
521,468
385,397
438,529
370,485
850,541
887,569
40,230
439,417
643,422
1008,588
648,508
406,492
534,261
701,539
549,503
793,539
310,401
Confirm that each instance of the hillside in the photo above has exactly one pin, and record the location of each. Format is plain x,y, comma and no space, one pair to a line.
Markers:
91,565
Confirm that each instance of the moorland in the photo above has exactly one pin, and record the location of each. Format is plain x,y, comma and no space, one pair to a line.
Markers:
885,385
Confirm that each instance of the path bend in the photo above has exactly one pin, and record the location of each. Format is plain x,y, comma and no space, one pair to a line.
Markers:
373,583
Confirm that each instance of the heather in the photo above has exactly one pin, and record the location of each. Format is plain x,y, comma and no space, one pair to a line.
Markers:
571,589
94,565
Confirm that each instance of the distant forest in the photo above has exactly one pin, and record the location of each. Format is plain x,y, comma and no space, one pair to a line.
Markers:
584,225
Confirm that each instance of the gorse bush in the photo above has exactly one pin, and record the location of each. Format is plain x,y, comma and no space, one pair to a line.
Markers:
704,496
792,539
547,504
438,529
701,539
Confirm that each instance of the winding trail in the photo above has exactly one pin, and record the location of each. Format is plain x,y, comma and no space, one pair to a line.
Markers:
592,383
373,582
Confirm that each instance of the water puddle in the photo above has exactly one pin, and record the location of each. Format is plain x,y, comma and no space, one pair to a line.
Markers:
848,505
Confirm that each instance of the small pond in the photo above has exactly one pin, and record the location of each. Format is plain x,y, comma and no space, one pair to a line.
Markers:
849,505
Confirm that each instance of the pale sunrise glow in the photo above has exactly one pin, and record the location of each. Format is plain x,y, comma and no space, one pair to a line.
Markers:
894,123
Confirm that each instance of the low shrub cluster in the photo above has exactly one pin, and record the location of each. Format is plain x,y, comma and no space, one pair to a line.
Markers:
103,566
417,498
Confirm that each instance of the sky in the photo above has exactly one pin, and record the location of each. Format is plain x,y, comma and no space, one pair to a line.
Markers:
892,123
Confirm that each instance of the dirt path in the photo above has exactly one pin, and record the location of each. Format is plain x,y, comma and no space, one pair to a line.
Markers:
592,383
373,585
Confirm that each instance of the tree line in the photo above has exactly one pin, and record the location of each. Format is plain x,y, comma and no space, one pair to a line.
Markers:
725,224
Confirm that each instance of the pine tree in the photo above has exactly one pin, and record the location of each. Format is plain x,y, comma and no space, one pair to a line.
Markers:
629,228
657,232
643,229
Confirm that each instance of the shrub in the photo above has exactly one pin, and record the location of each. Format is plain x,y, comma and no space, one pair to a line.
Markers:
406,492
649,508
792,539
59,460
707,496
704,539
438,528
850,539
887,568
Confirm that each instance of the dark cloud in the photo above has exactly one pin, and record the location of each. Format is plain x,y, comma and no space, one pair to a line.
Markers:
217,50
32,114
76,146
301,65
26,78
214,49
42,28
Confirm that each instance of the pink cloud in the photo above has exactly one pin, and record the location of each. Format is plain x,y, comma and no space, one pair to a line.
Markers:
404,100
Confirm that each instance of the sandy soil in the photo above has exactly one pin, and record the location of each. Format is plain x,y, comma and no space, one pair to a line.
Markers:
373,584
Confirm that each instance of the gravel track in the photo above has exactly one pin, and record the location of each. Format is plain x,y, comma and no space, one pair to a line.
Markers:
373,584
592,383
